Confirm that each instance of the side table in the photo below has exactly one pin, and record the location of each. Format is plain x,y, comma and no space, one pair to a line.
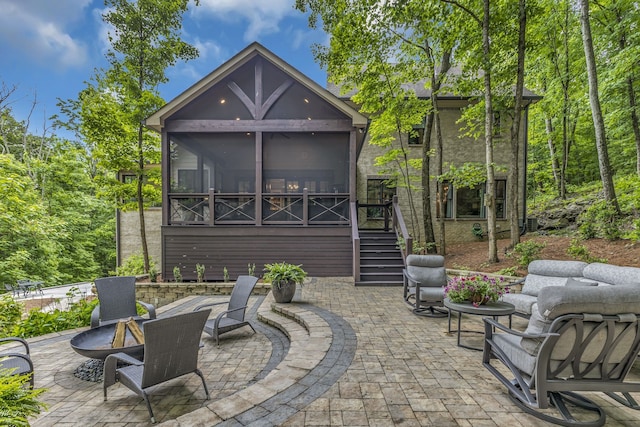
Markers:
494,309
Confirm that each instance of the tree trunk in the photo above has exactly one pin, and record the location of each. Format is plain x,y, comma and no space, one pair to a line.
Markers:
140,183
514,171
555,167
489,200
634,121
429,236
596,112
436,84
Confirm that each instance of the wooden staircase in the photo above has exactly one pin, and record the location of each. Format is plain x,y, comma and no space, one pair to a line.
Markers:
381,261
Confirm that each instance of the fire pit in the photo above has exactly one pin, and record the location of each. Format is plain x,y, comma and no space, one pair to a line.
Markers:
95,343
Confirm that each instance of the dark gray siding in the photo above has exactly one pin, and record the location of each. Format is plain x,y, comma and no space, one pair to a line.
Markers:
323,251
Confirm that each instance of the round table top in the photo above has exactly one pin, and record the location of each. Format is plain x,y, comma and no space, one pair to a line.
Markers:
498,308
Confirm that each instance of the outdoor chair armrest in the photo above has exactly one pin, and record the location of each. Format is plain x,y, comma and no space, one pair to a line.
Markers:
224,313
111,365
490,324
16,339
198,308
150,309
20,356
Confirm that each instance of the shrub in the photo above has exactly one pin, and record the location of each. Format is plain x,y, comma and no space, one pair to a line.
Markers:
599,220
200,268
525,252
17,402
177,274
134,266
10,314
580,252
40,323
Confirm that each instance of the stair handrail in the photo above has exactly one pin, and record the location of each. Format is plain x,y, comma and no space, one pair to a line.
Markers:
399,226
355,238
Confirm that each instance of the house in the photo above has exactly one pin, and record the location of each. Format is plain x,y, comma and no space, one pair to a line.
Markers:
260,164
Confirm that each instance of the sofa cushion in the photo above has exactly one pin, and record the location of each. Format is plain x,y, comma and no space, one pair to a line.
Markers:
546,267
522,302
429,270
534,282
550,273
607,274
538,324
572,282
556,301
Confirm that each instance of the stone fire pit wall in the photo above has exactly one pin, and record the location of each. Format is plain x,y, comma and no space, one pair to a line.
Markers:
160,294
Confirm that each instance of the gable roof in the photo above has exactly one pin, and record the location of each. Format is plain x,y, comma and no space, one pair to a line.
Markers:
156,120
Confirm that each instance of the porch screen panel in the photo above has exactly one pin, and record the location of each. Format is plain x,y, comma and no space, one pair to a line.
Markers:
318,162
224,162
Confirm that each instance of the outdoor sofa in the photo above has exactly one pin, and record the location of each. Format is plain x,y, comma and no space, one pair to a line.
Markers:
542,273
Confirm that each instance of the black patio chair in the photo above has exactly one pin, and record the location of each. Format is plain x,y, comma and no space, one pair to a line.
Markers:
579,339
18,362
234,316
171,347
424,280
117,300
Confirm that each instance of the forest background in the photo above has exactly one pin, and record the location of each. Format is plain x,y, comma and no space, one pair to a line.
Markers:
58,197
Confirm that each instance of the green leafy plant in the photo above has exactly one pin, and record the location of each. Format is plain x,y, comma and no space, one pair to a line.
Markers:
18,402
177,274
225,274
525,252
507,271
251,269
134,266
40,323
599,220
153,273
279,273
10,314
477,289
579,251
200,268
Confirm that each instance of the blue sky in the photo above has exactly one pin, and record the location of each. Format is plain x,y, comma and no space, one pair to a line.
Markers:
50,48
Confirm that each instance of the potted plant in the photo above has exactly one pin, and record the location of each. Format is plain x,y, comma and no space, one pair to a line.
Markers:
477,289
284,277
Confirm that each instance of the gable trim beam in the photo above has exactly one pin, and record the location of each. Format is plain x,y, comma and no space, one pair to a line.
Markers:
262,125
243,98
273,98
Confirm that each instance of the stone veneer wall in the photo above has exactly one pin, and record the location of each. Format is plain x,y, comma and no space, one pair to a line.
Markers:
457,150
160,294
129,234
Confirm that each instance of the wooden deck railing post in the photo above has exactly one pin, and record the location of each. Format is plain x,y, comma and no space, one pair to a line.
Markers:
212,205
355,238
305,207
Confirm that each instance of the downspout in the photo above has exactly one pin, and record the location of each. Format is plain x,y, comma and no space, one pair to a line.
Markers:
523,229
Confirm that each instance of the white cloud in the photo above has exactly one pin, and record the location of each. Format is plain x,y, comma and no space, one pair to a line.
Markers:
263,16
39,29
209,50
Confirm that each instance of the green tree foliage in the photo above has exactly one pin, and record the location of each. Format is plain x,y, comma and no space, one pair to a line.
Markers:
144,37
52,227
28,246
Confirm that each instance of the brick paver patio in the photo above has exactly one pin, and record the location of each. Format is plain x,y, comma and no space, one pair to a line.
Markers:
339,355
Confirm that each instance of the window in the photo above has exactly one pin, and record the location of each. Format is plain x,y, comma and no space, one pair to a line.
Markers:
469,202
379,191
497,124
416,135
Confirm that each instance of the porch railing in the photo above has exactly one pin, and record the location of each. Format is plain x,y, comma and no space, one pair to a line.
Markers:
276,208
